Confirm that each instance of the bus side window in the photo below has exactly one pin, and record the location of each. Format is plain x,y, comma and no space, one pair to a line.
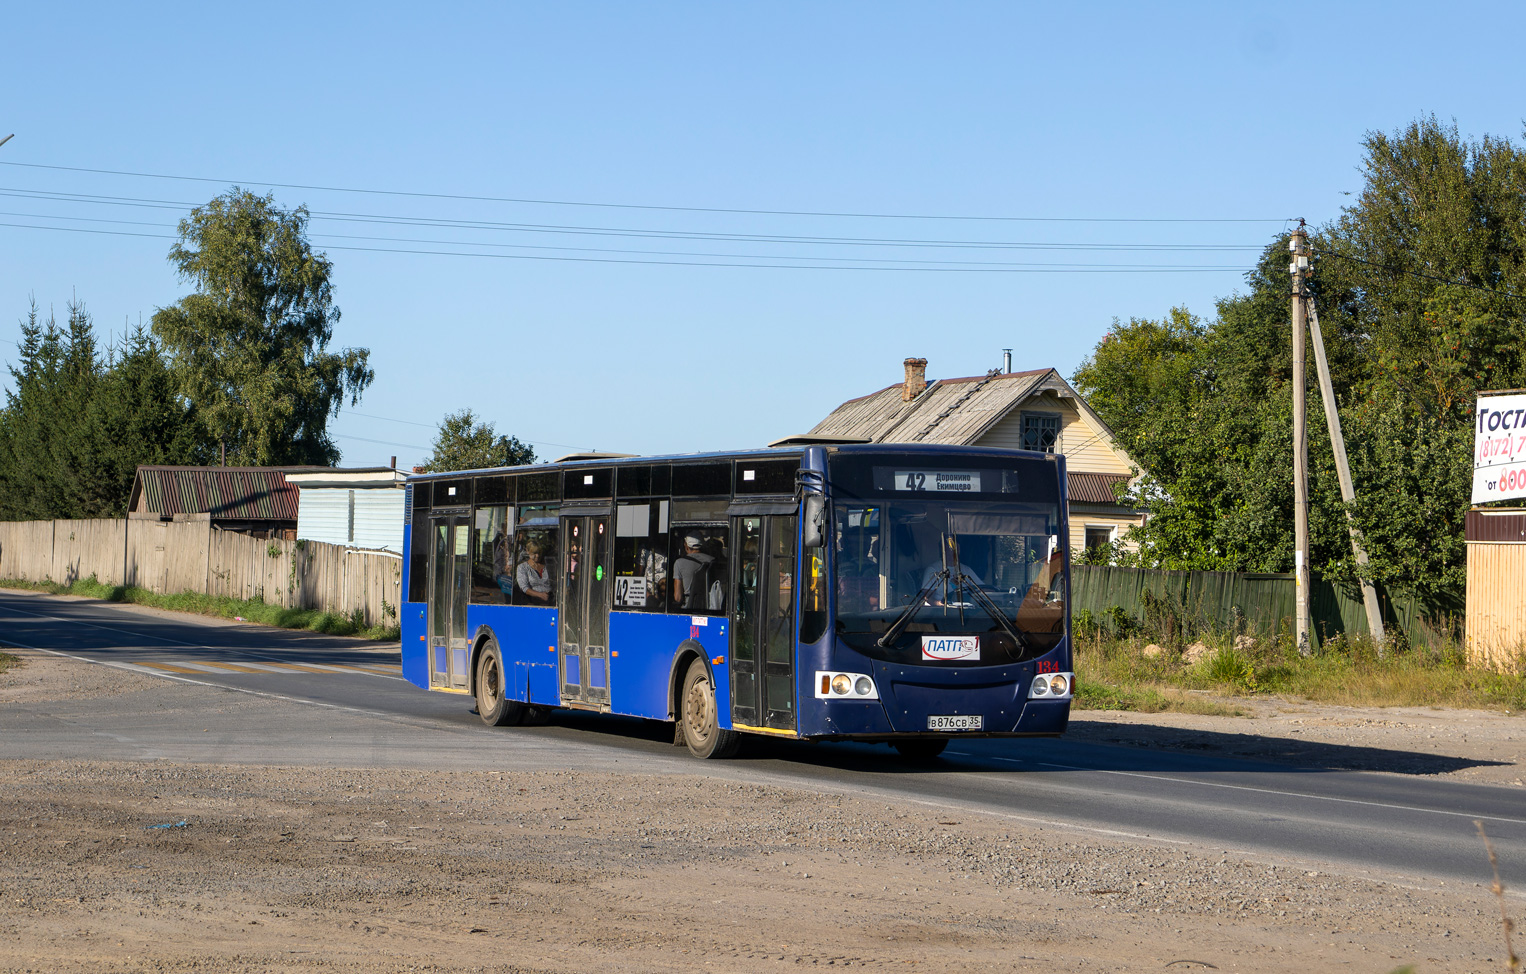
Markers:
492,571
700,570
641,556
535,566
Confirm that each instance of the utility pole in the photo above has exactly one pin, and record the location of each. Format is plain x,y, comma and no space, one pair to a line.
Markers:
1343,471
1299,245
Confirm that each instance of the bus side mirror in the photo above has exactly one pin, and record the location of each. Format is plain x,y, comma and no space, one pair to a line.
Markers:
814,530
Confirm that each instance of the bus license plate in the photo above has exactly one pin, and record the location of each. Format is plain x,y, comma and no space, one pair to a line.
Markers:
955,722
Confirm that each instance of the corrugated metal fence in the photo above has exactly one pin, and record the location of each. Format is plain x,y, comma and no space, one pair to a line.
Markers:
1257,604
189,555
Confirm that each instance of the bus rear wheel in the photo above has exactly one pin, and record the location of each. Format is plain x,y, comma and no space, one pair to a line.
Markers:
493,703
920,752
701,719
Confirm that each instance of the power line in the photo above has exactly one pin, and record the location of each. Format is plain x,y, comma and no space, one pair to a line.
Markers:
362,439
475,243
389,419
601,250
1029,268
640,206
638,232
1410,273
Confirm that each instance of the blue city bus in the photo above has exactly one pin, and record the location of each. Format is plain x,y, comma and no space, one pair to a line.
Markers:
900,593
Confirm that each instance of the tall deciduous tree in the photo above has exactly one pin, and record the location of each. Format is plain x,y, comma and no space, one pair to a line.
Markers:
465,444
1421,290
249,348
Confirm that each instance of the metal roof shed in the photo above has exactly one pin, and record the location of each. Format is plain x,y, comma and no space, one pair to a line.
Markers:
251,500
356,508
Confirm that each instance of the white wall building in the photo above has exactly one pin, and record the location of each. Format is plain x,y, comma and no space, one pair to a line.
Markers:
360,508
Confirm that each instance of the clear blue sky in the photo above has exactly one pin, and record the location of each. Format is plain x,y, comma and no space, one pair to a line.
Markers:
1123,111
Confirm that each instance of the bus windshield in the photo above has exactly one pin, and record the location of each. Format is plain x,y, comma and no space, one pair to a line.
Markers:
935,559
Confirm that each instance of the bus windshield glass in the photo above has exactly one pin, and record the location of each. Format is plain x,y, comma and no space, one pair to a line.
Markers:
951,546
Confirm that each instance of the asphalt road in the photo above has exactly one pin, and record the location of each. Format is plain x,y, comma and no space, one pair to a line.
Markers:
270,696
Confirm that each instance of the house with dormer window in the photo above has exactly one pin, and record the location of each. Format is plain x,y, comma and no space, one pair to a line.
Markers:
1035,410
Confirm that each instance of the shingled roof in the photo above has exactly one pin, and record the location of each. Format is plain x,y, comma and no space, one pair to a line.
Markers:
948,411
959,412
226,493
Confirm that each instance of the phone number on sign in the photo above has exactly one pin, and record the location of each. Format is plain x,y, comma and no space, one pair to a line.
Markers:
1508,481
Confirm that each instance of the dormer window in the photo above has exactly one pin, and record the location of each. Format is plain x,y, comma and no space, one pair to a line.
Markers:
1041,431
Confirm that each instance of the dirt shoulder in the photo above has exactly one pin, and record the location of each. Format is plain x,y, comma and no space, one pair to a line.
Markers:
159,866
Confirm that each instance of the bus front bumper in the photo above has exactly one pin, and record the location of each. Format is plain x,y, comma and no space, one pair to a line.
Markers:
974,702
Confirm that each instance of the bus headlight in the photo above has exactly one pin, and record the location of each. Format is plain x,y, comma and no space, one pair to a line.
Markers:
1052,685
851,686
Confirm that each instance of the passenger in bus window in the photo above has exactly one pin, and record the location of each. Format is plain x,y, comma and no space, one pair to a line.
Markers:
501,565
534,576
691,572
654,565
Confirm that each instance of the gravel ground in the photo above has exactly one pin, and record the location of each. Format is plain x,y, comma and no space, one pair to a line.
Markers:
168,867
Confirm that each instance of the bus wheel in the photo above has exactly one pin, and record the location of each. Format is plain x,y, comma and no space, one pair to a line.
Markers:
702,730
920,752
493,703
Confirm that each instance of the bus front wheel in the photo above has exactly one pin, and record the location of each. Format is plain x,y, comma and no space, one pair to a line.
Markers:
493,703
701,720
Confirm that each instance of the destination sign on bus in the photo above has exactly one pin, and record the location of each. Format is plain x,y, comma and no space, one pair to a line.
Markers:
956,481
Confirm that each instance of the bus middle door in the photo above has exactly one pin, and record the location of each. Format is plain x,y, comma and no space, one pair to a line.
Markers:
586,592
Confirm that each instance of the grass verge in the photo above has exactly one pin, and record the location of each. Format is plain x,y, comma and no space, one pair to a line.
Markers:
7,661
1133,674
250,610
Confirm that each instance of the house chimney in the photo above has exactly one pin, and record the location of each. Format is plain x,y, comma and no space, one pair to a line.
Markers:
1006,361
916,379
394,463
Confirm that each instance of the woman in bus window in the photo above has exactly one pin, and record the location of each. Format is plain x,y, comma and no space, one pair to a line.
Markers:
533,576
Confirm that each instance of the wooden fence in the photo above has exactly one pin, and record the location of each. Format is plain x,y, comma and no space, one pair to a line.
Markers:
190,555
1257,604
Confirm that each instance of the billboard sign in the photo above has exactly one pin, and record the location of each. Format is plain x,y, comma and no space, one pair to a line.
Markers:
1499,447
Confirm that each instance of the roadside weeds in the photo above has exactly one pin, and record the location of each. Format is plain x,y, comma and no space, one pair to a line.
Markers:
1132,673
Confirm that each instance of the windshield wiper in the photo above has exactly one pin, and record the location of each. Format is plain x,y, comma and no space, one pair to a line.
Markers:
906,614
989,604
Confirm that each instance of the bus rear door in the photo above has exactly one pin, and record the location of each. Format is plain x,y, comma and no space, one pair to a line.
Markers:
450,571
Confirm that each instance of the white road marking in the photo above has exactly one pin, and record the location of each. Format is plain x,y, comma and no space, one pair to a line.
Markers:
134,668
208,648
1287,794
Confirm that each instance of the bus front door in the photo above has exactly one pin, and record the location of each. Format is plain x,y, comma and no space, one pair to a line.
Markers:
449,590
763,624
586,589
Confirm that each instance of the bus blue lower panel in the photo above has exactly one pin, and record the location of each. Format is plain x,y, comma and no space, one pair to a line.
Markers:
642,646
526,637
412,621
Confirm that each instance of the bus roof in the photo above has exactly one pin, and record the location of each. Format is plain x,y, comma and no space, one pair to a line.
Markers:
780,452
